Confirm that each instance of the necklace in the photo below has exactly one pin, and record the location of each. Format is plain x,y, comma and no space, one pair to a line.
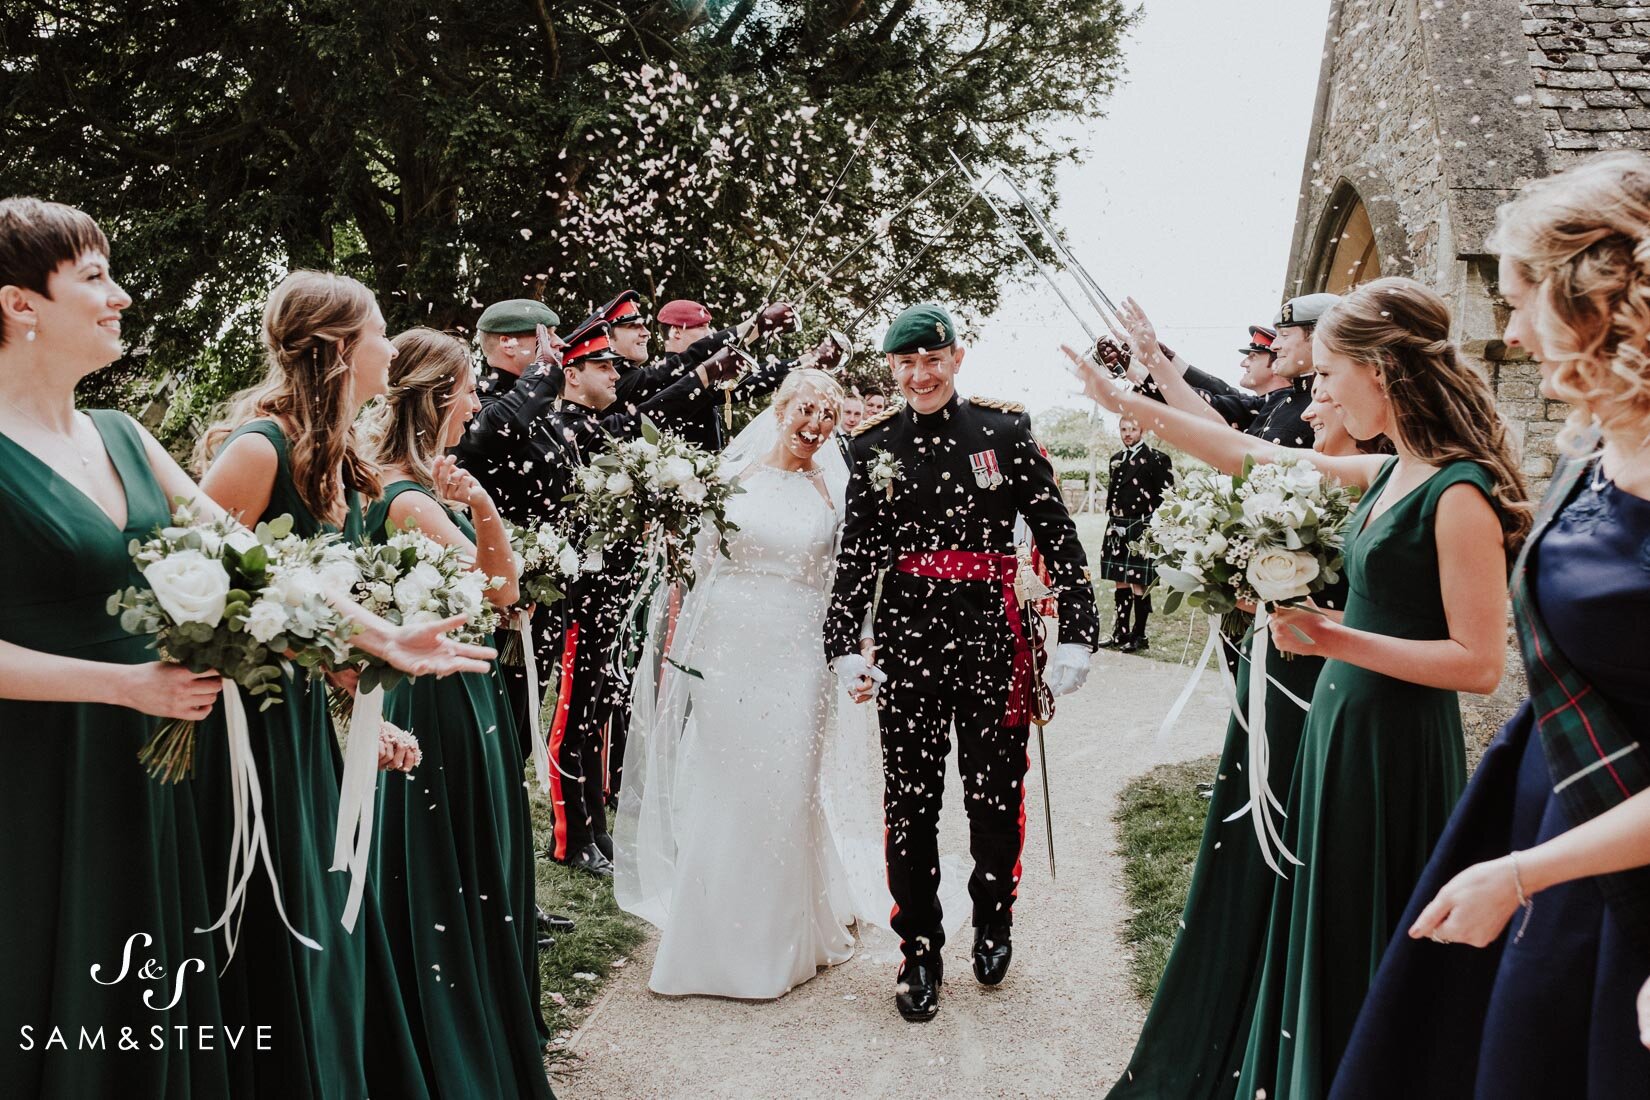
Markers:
37,422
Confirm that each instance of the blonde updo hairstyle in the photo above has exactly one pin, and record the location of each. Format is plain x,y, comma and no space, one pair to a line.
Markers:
1581,239
311,323
405,430
828,389
1442,409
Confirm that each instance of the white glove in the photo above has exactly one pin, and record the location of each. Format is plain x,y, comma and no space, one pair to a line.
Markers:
855,673
1068,668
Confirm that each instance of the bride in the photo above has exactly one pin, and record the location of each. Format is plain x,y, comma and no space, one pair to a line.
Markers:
722,839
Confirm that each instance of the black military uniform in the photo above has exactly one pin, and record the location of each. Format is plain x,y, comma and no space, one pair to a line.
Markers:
499,450
950,636
1139,476
590,616
1275,417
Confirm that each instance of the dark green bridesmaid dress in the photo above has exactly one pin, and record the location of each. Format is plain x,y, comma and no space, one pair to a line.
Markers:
1193,1040
454,871
1381,765
339,1031
92,851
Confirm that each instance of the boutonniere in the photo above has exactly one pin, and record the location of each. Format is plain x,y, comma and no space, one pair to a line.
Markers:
885,470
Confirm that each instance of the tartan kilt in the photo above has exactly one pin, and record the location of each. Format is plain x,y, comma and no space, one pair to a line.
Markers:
1117,563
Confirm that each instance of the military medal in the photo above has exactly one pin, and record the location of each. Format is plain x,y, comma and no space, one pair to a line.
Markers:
987,474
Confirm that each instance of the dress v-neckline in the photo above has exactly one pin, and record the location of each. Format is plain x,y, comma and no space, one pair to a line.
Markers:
120,476
1370,516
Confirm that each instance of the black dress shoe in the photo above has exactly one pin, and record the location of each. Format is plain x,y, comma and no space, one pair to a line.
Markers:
1135,645
604,841
1112,642
590,860
552,922
917,996
546,942
992,950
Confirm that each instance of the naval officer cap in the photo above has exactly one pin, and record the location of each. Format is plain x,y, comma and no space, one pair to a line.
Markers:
1305,310
925,326
516,315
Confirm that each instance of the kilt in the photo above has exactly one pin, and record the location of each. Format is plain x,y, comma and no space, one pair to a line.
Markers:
1117,562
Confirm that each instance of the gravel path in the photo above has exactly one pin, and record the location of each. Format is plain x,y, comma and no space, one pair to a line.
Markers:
1062,1024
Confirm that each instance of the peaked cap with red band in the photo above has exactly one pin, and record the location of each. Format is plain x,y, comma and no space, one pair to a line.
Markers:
626,309
588,341
683,313
1260,339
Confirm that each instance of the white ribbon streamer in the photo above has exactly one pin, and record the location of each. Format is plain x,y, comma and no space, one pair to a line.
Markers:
357,798
249,841
1261,799
541,751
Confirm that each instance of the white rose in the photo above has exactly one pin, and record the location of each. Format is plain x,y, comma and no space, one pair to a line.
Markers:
266,619
591,479
294,585
468,592
568,561
618,483
413,591
1278,574
191,587
338,572
675,471
693,491
210,542
241,540
381,593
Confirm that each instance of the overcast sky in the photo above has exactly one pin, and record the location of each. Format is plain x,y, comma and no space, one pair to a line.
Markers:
1186,197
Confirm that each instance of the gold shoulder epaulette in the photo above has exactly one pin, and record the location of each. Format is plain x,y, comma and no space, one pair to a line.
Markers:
890,411
1000,406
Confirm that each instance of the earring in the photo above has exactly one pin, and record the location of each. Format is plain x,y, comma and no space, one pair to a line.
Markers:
29,335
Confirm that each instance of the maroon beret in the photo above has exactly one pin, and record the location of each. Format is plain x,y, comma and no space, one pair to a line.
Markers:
683,313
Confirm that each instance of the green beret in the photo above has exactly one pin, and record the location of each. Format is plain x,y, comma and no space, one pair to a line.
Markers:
517,315
924,326
1305,310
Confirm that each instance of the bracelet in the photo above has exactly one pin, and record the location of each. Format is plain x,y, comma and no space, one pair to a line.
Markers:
1524,901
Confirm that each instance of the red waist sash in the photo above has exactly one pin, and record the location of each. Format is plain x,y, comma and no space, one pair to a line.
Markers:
976,565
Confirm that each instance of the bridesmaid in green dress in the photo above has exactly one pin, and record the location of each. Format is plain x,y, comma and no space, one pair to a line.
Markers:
97,856
288,446
1194,1037
1380,762
455,847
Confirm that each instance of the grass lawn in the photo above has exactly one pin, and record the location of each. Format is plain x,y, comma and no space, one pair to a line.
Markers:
1159,824
1176,639
572,972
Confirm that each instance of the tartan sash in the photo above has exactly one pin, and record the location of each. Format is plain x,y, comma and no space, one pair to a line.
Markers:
1594,761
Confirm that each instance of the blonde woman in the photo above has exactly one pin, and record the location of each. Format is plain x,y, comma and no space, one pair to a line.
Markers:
288,446
722,839
1380,762
1547,861
455,843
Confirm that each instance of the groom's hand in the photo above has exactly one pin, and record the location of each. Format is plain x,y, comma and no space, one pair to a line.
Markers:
1068,668
859,676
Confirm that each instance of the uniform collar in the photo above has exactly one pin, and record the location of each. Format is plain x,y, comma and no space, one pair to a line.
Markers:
939,417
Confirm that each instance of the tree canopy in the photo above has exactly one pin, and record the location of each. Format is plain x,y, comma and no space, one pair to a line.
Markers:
453,152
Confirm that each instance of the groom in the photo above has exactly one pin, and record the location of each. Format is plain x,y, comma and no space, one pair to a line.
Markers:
935,489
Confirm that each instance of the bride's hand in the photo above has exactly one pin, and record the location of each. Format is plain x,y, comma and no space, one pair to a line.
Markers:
1097,384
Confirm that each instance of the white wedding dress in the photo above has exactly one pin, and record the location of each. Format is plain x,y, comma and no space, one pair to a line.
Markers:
750,826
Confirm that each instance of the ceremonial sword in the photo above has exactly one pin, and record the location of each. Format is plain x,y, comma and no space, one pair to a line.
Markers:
1040,705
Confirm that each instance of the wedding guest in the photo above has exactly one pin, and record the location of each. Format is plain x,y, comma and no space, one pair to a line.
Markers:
1193,1041
1138,476
853,411
1381,762
104,857
1546,862
455,838
875,401
288,446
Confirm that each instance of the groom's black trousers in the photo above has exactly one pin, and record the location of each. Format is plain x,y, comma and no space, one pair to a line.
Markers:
948,671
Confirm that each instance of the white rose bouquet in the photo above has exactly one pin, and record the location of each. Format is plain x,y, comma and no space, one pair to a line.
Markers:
657,491
1269,536
549,562
245,603
411,578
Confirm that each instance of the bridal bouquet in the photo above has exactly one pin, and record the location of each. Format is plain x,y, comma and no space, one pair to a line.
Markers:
245,603
549,562
657,490
1269,536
